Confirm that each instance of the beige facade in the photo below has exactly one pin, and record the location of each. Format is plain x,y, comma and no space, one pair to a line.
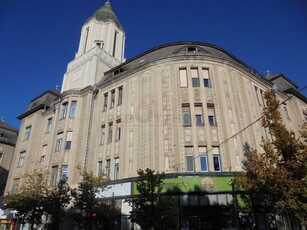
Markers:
182,107
8,138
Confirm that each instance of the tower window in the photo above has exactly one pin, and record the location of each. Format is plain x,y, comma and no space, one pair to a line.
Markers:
27,133
21,160
183,78
186,115
195,77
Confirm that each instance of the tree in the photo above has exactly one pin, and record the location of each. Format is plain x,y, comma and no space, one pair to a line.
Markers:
277,176
56,203
150,210
29,200
91,210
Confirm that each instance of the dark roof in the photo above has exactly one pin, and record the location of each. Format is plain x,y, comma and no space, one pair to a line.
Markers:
105,13
43,101
184,50
8,134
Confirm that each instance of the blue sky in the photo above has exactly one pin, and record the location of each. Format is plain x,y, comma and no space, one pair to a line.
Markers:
39,37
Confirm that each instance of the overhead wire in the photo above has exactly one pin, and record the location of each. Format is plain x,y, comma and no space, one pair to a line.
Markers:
240,131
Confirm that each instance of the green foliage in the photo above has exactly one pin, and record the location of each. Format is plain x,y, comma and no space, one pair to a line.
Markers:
277,176
56,203
150,210
29,200
91,210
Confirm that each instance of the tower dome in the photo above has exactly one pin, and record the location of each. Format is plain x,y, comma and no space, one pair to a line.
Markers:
105,13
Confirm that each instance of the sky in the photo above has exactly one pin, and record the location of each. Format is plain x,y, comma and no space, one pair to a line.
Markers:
39,37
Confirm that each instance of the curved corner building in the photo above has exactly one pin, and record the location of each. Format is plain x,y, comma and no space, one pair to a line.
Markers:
184,108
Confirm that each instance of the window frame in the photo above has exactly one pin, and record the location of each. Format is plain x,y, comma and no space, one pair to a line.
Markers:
186,113
183,78
21,159
27,133
195,78
64,110
73,108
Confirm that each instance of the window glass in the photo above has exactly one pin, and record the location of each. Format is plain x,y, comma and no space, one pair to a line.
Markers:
195,77
54,173
68,140
49,124
64,172
105,103
110,132
183,78
107,169
59,141
21,160
120,95
190,163
199,114
112,98
206,78
73,109
27,133
64,110
186,115
211,114
116,168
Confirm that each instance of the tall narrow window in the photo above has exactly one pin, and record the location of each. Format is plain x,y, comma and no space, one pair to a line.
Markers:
286,112
21,159
114,44
203,159
86,38
27,133
211,114
186,114
99,168
105,103
216,159
15,185
118,133
64,110
59,142
183,78
199,114
110,132
107,169
195,77
49,124
112,98
44,153
189,159
64,172
206,78
73,109
54,175
103,135
116,168
257,95
120,95
68,140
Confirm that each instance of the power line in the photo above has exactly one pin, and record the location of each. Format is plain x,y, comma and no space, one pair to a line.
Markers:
243,129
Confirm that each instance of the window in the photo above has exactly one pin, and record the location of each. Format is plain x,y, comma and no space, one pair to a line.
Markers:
189,159
21,160
54,174
206,78
103,135
116,168
195,78
99,168
203,159
64,173
211,114
112,98
257,96
2,135
64,110
44,153
59,141
186,115
105,103
216,159
27,133
199,114
107,169
15,185
1,158
190,163
73,109
49,124
118,132
183,78
286,112
203,163
110,132
114,44
120,95
68,140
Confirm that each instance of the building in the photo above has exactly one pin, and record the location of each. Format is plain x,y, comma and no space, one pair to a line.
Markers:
8,138
182,108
